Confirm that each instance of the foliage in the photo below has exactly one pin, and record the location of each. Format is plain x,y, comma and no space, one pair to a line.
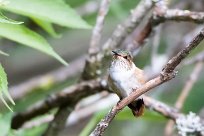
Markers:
4,88
59,13
5,120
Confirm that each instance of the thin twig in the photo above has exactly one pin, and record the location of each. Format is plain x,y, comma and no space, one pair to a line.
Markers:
184,93
129,25
97,31
140,38
166,75
93,62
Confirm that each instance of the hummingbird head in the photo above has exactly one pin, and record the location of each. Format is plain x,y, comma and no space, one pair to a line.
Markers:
122,58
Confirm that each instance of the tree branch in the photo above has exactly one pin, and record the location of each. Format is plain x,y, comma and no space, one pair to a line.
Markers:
179,15
166,75
161,108
93,62
97,31
139,39
69,95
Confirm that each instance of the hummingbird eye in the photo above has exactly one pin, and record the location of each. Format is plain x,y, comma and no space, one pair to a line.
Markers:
125,57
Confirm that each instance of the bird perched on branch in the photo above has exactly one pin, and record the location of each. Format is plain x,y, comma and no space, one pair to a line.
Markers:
124,78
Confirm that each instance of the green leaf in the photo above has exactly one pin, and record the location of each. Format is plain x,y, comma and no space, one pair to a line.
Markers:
5,122
47,26
55,11
4,53
4,88
23,35
4,19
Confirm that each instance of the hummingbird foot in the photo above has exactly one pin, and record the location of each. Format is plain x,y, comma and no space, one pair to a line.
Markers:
119,102
133,90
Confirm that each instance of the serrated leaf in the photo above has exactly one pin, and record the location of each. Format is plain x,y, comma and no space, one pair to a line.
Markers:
4,53
4,19
23,35
55,11
47,26
4,88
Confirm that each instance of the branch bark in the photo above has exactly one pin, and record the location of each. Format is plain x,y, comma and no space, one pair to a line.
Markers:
161,108
179,15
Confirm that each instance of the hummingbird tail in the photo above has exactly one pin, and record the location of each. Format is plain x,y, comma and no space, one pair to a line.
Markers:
137,107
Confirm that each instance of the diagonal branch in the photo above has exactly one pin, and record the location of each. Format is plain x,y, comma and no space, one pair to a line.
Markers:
166,75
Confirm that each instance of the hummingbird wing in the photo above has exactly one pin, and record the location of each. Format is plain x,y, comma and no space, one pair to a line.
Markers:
113,87
140,76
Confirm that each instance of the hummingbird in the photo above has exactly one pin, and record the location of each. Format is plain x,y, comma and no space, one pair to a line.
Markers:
124,78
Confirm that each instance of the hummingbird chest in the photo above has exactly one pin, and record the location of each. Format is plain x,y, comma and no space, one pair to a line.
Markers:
123,81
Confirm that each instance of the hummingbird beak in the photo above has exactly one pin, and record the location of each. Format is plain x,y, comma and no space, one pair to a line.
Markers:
114,52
